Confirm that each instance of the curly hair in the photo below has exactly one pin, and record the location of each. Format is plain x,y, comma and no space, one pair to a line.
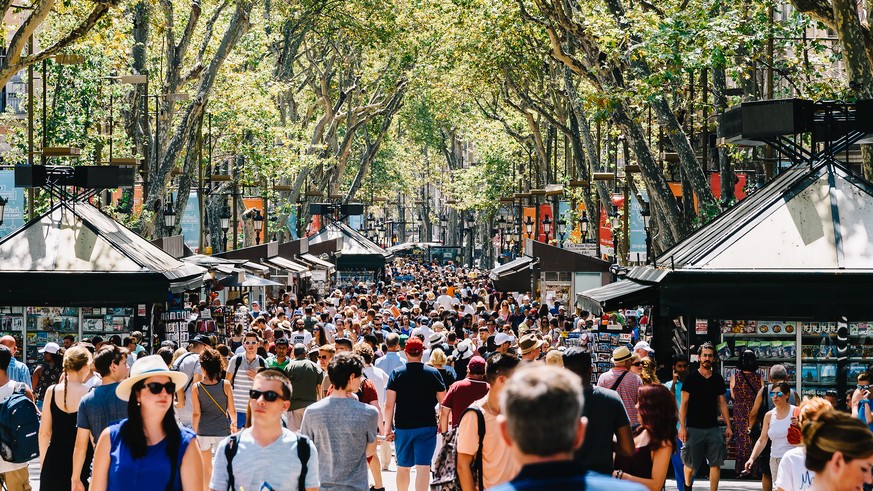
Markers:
212,363
658,415
648,372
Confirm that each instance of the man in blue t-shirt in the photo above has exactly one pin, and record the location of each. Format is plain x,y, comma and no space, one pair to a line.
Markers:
100,407
413,390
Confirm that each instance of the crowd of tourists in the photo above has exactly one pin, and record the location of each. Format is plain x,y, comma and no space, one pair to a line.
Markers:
430,369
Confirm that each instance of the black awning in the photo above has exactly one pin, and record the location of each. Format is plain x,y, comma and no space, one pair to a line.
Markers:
514,276
621,294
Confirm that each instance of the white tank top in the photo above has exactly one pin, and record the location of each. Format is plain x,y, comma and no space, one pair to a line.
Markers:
778,433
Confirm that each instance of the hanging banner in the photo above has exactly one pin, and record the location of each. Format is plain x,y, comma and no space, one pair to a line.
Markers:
292,223
606,243
118,194
190,221
314,225
545,211
356,222
637,230
258,204
14,213
739,187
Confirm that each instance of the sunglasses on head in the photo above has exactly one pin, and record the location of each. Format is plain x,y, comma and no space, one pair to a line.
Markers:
776,393
269,396
156,388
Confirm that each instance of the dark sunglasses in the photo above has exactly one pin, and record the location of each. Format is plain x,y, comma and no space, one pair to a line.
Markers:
638,364
156,388
863,387
269,396
322,357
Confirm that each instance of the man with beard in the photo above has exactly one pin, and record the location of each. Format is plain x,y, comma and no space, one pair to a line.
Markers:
702,400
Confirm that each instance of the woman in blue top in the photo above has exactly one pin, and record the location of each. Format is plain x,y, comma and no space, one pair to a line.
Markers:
148,450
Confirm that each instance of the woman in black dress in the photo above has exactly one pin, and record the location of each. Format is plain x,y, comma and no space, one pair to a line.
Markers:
57,430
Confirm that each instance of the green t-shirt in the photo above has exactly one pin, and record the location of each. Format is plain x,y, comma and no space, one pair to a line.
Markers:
273,362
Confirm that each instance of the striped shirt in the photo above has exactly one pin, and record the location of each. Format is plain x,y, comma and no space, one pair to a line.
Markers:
242,384
19,372
628,390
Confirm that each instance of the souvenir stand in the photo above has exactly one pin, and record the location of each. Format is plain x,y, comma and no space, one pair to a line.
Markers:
785,272
357,257
74,270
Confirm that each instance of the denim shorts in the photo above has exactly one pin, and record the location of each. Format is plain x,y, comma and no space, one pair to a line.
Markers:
415,446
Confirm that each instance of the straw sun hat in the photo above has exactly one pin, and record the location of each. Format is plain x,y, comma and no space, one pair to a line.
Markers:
145,367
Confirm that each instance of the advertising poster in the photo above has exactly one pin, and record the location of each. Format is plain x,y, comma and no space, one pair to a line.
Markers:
15,211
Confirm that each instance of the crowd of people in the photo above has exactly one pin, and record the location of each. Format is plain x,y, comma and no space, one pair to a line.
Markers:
434,370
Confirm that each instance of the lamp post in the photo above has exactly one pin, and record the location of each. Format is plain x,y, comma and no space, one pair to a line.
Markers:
501,226
646,213
583,226
547,227
258,222
561,230
470,223
444,220
615,220
528,226
224,221
169,216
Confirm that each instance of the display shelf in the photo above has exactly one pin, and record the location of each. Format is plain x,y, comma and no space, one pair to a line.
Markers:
752,335
765,361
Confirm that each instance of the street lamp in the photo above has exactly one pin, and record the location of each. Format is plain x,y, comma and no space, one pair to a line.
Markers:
583,226
224,221
615,221
528,226
258,221
470,223
547,227
3,202
444,220
169,216
646,213
561,230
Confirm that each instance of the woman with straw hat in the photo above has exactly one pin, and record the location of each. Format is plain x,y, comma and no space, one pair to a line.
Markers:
148,450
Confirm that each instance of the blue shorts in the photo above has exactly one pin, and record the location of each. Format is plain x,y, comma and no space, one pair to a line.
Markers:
415,446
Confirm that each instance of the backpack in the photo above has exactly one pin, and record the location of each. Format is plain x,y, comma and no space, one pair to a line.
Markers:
19,427
303,451
177,367
237,364
445,472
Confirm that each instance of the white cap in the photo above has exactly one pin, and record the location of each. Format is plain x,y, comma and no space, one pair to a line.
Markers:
52,348
643,345
501,338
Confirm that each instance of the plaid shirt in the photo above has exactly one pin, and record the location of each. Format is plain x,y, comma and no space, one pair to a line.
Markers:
628,390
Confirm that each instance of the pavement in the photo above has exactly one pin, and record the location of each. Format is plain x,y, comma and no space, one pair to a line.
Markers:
389,476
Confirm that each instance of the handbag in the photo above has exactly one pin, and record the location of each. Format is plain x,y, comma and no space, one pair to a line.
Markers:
795,436
226,414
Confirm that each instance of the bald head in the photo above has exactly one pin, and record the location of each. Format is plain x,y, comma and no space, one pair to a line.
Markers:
9,342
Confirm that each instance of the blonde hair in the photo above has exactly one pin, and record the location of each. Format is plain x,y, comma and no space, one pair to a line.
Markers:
811,409
555,357
648,372
75,359
437,357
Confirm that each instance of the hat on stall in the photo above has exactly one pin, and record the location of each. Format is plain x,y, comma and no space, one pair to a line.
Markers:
414,346
501,338
145,367
476,365
52,348
528,343
621,354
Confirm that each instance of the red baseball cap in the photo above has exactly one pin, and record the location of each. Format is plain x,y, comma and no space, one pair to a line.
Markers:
414,346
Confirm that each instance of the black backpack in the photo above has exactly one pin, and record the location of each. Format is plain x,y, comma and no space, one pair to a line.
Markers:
303,451
19,427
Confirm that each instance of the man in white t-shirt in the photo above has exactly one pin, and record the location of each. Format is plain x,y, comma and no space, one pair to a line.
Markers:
444,300
300,334
15,476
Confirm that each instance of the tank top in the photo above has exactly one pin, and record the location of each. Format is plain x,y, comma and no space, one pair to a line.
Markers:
778,433
213,417
149,473
639,464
